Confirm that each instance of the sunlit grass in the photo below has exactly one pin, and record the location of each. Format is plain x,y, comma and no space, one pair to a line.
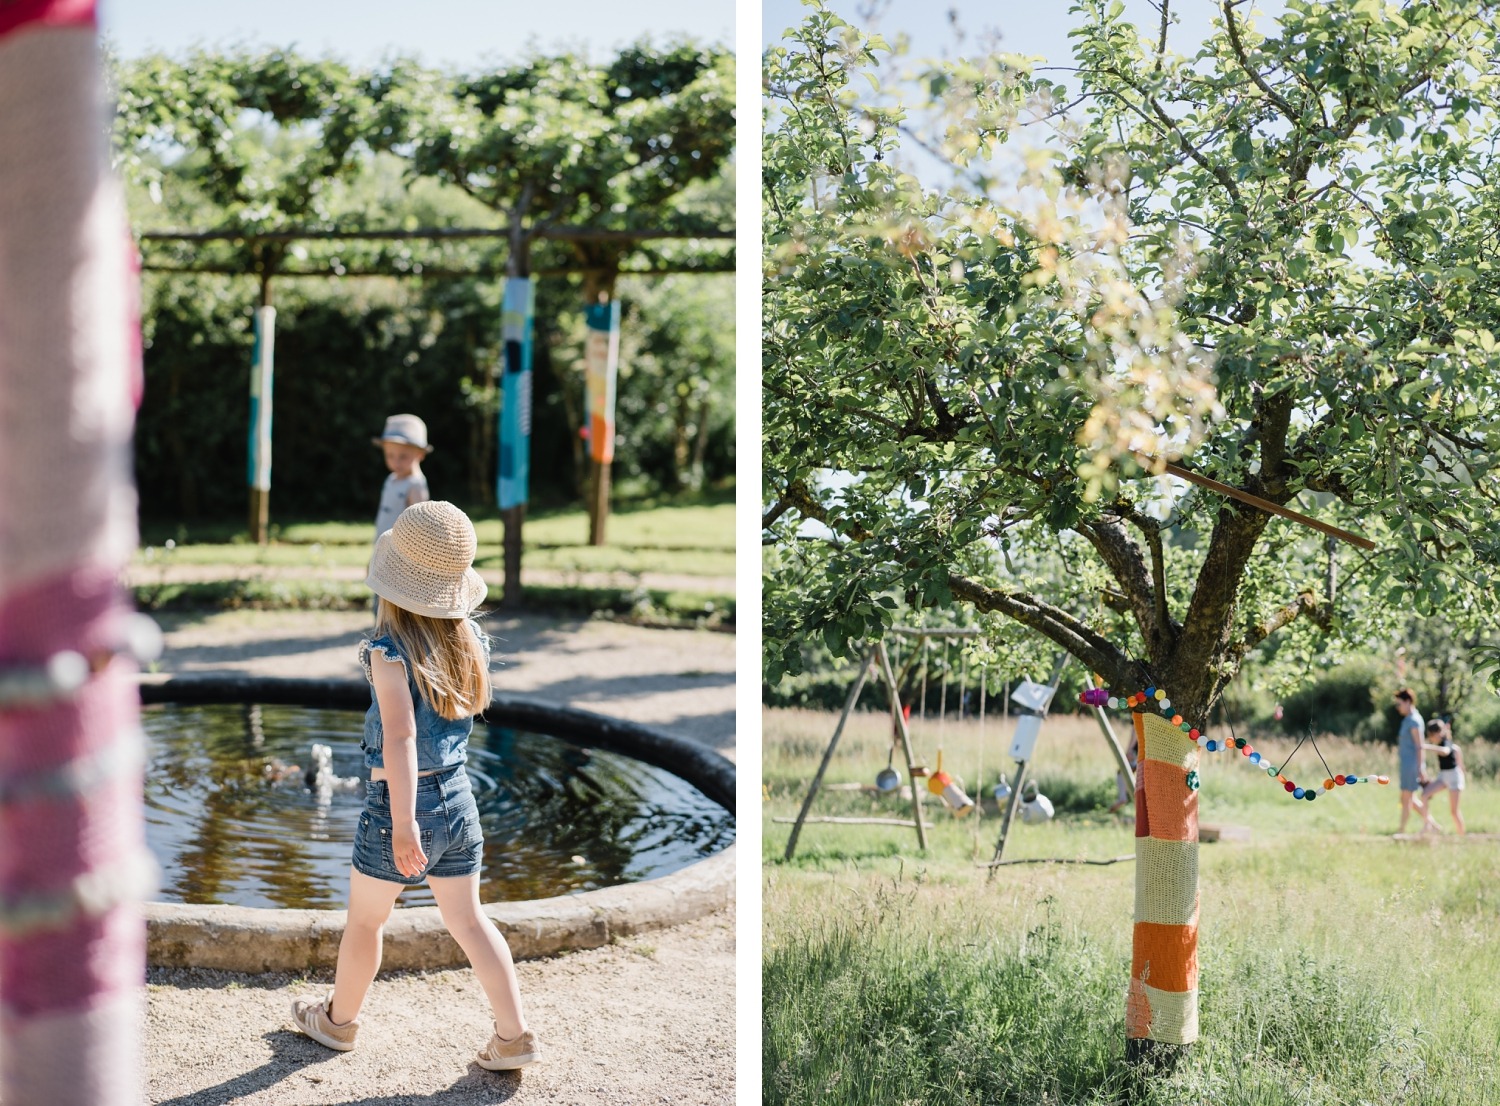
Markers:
1337,965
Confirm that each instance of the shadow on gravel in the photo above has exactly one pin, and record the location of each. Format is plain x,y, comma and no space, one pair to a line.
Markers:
294,1054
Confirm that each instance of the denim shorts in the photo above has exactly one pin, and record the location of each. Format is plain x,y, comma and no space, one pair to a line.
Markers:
447,821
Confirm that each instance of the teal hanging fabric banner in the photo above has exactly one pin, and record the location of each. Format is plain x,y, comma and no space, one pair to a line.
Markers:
262,360
515,393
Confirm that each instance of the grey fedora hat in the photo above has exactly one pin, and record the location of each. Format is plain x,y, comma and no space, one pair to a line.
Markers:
407,429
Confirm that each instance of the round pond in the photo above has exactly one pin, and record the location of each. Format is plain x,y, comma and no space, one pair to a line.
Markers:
231,819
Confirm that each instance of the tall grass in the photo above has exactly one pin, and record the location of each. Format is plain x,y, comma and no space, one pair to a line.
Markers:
1337,966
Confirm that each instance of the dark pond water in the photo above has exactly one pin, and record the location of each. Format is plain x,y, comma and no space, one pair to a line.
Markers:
558,818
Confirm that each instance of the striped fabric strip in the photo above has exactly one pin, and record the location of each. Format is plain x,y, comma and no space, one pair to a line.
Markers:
72,858
1162,1004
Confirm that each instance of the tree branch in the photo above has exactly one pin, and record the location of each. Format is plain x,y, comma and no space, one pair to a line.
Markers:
1053,623
1127,564
1260,82
1306,603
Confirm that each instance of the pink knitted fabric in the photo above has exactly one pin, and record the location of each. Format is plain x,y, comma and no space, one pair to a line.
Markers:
73,863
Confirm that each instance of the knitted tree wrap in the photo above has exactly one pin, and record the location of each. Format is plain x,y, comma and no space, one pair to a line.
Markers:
1162,1004
423,562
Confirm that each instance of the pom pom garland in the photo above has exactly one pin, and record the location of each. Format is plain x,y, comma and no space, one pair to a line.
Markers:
1155,698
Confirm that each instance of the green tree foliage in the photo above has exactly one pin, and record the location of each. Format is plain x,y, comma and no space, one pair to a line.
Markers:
1274,257
256,143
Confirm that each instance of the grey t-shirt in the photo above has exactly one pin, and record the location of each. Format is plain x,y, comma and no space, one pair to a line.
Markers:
1409,738
394,497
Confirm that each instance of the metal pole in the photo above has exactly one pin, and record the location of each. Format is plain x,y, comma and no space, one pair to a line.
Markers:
900,720
1010,813
1114,747
853,697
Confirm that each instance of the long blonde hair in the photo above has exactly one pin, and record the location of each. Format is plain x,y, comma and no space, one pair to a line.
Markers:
447,660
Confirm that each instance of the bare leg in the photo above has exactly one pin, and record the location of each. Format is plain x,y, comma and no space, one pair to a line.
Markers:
1406,805
458,901
370,902
1458,819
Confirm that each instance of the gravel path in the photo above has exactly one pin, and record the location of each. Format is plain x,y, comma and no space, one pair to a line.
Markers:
650,1020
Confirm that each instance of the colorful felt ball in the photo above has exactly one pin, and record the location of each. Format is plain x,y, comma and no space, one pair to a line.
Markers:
1166,704
1340,779
1113,703
1151,692
1254,758
1158,694
1290,786
1328,785
1211,745
1193,733
1176,719
1297,792
1382,780
1184,727
1351,780
1246,751
1311,794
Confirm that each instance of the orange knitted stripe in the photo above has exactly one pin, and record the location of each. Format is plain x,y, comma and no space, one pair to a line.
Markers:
1166,957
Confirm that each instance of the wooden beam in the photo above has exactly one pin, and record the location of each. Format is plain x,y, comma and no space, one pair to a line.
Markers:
1263,504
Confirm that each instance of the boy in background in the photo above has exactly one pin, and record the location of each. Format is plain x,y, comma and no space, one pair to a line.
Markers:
404,442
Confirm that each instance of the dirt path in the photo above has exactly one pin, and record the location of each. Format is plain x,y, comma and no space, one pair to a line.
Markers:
648,1021
142,575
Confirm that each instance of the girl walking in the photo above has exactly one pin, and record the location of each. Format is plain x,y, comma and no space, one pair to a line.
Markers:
1450,769
428,667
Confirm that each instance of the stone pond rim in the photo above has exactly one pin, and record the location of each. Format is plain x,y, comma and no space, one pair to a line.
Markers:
256,939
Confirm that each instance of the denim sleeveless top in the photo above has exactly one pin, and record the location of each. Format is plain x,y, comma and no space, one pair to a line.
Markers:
441,742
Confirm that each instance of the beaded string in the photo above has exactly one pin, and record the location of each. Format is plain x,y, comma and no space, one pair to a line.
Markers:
1155,698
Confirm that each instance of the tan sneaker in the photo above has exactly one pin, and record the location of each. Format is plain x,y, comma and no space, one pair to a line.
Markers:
503,1055
312,1018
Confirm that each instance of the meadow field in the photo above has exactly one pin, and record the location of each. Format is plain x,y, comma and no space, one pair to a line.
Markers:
1338,964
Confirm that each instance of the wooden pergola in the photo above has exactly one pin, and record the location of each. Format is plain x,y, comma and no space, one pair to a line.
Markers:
266,264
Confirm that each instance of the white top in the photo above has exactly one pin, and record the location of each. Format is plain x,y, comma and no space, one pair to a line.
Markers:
395,496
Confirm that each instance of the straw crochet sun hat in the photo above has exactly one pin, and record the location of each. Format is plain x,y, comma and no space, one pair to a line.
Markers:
424,563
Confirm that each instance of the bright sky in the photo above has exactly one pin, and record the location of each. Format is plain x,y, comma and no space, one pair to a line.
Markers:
1039,27
459,32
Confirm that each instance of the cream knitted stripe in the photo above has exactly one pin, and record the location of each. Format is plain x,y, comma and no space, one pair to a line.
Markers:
1167,744
1174,1015
1166,882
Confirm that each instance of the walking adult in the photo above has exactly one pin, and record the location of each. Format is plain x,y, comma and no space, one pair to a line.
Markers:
1410,750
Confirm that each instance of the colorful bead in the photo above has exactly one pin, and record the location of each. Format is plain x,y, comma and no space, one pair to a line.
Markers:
1341,780
1192,780
1312,793
1166,704
1193,733
1351,780
1297,792
1254,758
1246,751
1151,692
1114,703
1328,785
1289,785
1211,745
1382,780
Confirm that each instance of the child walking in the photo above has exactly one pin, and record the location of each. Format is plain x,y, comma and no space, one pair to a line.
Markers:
1450,769
428,667
404,443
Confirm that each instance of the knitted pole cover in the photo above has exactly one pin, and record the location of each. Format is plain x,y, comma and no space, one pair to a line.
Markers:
72,852
1162,1004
